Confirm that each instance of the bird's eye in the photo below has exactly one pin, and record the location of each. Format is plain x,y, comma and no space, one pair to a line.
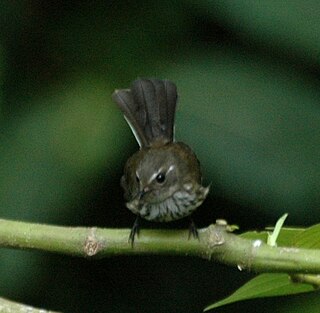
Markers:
160,178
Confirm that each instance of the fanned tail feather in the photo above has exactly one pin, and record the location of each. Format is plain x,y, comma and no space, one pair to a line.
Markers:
149,107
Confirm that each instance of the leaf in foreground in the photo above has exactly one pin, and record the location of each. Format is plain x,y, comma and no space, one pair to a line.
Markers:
264,285
308,239
271,285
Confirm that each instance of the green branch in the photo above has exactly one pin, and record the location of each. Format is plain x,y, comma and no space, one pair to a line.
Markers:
215,243
7,306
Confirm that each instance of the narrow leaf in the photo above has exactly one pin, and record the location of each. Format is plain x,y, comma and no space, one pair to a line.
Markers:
272,238
264,285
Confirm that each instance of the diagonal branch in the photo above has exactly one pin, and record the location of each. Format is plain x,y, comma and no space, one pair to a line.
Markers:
7,306
215,243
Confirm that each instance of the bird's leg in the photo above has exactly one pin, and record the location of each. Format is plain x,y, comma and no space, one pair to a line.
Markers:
134,230
193,231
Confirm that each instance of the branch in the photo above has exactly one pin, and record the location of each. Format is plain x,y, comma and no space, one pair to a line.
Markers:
215,243
7,306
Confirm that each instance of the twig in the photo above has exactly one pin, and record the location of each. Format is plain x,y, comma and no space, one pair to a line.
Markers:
7,306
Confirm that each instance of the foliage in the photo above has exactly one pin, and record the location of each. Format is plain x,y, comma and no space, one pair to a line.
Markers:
271,285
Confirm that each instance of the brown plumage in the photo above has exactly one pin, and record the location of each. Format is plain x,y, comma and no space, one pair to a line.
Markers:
149,106
162,181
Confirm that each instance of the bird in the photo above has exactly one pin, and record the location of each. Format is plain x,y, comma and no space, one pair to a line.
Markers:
162,181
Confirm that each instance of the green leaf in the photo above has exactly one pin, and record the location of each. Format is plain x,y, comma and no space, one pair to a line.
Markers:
271,285
309,238
285,238
254,235
264,285
272,238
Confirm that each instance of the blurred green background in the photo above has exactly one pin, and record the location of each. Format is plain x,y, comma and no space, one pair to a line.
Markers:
248,78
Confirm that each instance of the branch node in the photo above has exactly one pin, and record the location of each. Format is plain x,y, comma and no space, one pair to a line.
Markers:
216,233
313,280
92,245
221,222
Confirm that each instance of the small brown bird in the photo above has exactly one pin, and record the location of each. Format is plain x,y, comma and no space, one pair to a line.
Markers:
161,181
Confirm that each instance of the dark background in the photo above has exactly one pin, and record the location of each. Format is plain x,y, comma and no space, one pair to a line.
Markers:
248,78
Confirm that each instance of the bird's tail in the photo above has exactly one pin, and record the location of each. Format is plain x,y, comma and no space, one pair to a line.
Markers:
149,108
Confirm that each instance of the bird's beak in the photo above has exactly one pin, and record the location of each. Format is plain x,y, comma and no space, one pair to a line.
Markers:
142,193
